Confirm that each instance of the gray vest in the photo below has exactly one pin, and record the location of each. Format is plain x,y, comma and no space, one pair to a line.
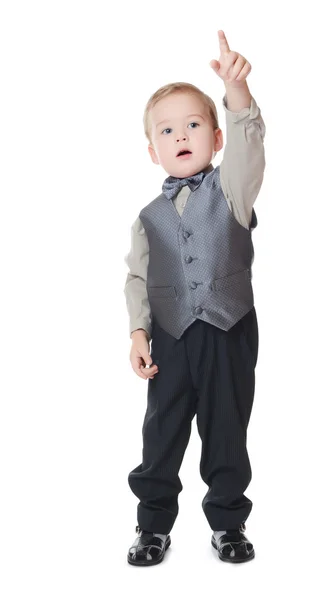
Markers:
200,262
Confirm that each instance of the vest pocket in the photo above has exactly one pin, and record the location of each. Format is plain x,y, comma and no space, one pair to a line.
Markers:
233,279
161,291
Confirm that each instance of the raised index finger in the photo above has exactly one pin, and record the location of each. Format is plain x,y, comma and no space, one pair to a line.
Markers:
224,47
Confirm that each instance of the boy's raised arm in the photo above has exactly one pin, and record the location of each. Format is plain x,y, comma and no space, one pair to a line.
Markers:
243,164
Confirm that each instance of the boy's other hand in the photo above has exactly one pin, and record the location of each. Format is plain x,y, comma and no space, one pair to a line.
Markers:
140,355
231,67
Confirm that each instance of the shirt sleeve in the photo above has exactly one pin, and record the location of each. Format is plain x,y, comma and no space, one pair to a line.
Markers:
135,286
243,164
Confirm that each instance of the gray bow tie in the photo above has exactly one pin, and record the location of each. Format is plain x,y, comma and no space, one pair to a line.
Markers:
172,185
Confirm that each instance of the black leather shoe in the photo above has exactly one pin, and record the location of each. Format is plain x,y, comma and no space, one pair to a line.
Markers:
147,549
233,546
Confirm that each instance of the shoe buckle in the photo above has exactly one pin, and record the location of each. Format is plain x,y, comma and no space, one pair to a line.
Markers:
242,527
138,529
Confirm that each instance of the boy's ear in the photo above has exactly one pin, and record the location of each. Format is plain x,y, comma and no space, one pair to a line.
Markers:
219,142
153,154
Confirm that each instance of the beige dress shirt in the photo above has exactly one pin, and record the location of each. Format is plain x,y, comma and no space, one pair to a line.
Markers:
241,175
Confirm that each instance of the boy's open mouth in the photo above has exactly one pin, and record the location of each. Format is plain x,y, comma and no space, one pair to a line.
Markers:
183,152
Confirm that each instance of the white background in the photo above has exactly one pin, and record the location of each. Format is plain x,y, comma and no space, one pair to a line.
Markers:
75,77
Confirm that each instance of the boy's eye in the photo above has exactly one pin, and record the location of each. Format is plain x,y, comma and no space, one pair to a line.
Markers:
168,129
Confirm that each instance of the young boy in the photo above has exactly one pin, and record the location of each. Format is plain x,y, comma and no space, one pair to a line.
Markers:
189,292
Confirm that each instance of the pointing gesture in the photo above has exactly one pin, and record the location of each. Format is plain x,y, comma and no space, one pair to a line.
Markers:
231,66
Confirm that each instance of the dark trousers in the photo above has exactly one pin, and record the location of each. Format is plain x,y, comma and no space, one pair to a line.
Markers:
208,372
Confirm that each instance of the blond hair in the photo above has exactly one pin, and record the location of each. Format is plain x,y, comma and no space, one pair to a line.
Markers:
172,88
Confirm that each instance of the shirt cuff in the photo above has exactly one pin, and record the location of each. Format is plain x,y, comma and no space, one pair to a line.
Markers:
251,112
145,326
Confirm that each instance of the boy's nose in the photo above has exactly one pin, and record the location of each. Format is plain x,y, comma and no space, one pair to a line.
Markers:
182,137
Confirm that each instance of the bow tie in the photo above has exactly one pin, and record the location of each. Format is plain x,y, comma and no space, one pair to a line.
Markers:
172,185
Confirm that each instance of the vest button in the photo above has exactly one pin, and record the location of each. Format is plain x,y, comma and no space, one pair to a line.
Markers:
188,259
198,310
186,234
193,285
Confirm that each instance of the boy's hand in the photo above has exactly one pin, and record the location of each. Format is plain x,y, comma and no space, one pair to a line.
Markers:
231,67
140,355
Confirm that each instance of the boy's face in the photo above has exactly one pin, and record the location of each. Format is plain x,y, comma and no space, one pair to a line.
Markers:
181,122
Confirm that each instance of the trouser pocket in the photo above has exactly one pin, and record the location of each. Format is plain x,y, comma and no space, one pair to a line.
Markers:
250,334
